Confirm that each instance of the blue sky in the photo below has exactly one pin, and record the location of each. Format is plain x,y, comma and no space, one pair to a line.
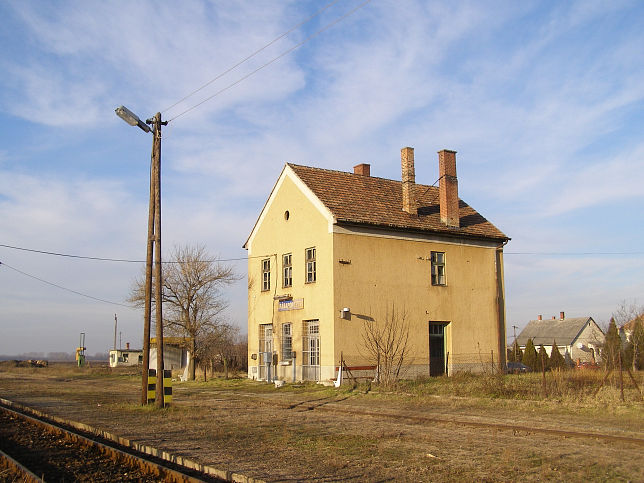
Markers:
544,102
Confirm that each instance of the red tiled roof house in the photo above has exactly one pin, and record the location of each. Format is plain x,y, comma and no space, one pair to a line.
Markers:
334,253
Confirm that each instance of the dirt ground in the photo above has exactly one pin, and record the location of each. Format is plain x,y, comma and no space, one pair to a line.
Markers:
312,433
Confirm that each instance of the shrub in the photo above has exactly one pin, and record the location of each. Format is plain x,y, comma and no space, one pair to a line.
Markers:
556,359
530,356
542,359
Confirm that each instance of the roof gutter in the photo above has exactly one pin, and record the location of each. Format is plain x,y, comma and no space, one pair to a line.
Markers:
450,234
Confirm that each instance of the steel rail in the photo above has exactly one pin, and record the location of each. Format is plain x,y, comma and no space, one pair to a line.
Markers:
332,404
117,455
210,471
8,463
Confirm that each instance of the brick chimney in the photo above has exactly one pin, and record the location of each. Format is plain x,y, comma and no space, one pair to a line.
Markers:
561,315
539,317
127,345
364,169
448,188
408,181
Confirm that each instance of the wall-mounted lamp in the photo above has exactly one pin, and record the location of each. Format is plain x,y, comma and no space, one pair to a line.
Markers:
345,313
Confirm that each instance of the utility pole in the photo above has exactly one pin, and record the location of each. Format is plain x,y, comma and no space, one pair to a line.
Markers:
147,311
115,324
515,348
156,156
153,242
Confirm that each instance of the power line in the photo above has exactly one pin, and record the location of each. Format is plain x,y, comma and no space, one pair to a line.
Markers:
2,264
275,59
573,253
43,252
125,260
252,55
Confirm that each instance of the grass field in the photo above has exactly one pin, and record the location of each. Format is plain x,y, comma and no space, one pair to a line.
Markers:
487,428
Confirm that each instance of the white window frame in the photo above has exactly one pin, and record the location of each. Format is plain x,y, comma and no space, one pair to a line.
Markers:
311,265
287,270
287,341
438,272
311,349
266,274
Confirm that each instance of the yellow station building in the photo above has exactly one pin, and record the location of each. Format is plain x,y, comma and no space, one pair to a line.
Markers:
333,252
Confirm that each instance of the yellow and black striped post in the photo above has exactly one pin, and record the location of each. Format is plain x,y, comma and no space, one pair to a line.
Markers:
167,386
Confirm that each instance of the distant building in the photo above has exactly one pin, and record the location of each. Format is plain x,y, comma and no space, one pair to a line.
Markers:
578,338
175,352
126,357
626,330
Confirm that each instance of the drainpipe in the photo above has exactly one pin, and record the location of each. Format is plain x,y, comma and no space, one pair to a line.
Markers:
500,304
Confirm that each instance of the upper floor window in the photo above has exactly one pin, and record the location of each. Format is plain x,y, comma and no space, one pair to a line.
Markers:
438,268
287,274
310,265
266,274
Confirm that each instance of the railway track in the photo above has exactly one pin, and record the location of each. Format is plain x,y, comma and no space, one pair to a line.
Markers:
35,449
329,404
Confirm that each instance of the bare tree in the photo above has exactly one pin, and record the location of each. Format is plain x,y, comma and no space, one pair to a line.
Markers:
192,297
632,312
387,344
220,347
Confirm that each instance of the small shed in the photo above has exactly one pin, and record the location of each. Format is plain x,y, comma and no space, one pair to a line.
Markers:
175,352
126,357
578,338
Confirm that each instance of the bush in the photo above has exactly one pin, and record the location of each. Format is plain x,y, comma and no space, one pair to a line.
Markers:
556,359
530,356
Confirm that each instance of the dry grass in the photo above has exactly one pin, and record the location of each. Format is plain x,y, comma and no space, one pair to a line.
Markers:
308,432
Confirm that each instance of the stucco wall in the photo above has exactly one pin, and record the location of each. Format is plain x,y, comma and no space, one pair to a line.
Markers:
275,236
591,337
390,273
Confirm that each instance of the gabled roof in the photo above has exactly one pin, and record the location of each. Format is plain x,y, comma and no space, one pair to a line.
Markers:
563,332
367,200
630,326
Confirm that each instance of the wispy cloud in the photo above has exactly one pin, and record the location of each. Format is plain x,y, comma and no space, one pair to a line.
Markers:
542,101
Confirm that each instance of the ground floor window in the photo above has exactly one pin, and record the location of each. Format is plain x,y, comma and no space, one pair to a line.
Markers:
287,342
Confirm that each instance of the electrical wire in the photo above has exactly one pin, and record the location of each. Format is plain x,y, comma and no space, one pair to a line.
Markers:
275,59
125,260
245,59
572,253
3,264
43,252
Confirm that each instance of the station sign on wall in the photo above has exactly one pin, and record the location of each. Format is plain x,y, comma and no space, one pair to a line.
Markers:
293,304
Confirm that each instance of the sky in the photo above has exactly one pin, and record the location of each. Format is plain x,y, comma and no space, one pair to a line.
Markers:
542,100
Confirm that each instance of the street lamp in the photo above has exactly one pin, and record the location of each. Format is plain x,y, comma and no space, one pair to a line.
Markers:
131,118
153,248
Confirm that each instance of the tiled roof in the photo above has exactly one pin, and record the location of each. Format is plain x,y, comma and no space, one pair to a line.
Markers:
548,330
631,325
367,200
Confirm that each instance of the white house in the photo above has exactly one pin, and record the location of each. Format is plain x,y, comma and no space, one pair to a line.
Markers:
126,357
578,338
